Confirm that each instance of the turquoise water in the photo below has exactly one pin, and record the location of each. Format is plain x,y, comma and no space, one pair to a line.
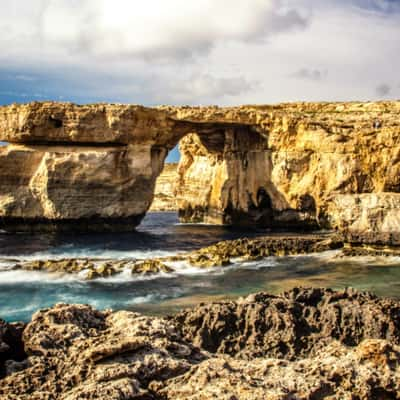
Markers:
23,292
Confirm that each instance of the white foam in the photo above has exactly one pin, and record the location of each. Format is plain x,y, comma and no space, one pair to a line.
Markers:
12,277
13,312
381,260
181,268
144,299
61,253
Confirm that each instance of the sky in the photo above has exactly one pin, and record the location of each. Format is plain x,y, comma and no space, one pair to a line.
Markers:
224,52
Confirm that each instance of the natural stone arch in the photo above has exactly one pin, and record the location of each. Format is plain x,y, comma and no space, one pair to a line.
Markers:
90,167
93,167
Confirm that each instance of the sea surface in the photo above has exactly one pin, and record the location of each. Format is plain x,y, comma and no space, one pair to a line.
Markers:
23,292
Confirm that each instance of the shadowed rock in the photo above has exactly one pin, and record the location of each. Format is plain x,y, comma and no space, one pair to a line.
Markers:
11,345
294,325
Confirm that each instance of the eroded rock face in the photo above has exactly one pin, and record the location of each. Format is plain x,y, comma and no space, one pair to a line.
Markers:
309,154
367,371
294,325
367,218
221,180
77,352
72,187
307,344
103,124
282,166
164,192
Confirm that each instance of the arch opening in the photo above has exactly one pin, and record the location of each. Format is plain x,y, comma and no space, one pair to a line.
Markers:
215,174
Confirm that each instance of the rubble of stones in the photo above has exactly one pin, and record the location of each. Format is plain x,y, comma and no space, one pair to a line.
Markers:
304,344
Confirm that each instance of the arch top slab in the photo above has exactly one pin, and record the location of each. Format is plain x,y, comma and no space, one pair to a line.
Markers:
103,124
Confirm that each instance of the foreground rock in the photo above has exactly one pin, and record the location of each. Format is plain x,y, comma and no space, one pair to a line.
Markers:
304,344
370,371
298,166
294,325
11,346
77,352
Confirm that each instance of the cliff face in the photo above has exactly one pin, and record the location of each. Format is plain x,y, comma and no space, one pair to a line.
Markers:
87,188
304,165
327,165
164,192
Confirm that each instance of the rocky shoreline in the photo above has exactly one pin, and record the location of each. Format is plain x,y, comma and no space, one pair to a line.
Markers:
302,344
218,255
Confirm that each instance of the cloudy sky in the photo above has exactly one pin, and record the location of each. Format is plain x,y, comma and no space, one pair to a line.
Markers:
199,52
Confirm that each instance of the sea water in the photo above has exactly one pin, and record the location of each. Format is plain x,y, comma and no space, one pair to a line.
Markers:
24,292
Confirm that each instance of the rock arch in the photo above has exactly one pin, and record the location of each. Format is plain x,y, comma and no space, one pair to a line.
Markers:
94,167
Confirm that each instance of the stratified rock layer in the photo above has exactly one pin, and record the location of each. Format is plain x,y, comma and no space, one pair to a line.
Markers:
75,186
306,344
164,192
283,166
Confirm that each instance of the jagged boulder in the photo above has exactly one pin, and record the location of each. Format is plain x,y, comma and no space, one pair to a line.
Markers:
293,325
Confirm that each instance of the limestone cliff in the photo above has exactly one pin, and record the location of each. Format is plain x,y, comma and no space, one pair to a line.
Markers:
288,165
301,163
164,192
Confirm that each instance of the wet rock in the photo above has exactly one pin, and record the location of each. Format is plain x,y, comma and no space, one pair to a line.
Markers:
370,251
217,255
91,269
209,260
150,267
103,270
260,247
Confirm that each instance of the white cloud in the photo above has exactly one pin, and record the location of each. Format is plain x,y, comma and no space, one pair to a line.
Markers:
202,89
204,51
131,28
